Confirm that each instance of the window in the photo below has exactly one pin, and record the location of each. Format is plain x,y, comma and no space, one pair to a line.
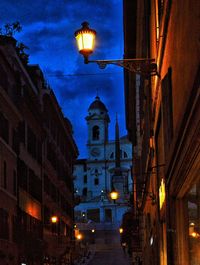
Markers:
77,215
15,141
112,155
22,132
93,215
32,144
22,172
35,186
125,155
85,178
4,128
15,228
3,79
108,215
47,216
96,181
47,185
95,133
4,226
84,193
193,209
167,110
54,193
160,9
4,175
14,183
51,155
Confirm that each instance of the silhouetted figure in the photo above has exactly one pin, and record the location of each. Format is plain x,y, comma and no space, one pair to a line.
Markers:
124,247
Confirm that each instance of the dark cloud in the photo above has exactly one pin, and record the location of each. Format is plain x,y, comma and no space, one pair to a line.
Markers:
48,31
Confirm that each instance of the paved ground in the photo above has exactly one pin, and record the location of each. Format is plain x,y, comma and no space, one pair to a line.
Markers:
110,255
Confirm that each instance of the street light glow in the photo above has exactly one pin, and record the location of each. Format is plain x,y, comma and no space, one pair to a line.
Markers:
79,236
85,38
54,219
114,195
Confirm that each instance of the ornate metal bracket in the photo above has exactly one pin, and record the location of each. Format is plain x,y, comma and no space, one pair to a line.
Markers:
145,67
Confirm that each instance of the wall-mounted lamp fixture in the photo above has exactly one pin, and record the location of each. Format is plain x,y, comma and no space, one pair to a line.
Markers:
54,219
121,230
85,38
114,195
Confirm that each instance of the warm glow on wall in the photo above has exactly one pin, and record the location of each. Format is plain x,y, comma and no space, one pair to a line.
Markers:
162,193
192,231
29,205
151,142
195,235
79,236
121,230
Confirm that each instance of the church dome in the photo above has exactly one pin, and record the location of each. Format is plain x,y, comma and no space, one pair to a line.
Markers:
97,104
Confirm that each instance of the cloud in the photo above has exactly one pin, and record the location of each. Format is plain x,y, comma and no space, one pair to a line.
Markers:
48,31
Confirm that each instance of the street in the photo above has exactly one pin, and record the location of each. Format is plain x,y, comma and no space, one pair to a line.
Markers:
110,255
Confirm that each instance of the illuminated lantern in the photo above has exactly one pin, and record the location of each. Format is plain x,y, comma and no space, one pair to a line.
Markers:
121,230
54,219
85,38
114,195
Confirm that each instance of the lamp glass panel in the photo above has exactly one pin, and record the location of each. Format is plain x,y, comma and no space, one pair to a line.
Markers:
85,41
114,195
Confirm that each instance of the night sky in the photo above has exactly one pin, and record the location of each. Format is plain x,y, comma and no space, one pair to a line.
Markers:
48,28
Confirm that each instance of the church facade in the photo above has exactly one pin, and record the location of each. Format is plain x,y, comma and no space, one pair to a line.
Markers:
107,167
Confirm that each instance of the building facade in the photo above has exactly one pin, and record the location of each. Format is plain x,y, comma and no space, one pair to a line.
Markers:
163,119
97,175
37,152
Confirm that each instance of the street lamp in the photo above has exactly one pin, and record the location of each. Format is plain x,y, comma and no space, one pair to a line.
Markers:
114,195
85,38
121,230
54,219
79,236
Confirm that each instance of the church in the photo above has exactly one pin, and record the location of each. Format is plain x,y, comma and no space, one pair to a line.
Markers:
107,168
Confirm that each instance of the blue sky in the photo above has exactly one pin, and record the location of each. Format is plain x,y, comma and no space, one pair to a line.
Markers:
48,31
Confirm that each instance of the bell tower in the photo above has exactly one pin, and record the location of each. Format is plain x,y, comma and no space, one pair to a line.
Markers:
97,122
